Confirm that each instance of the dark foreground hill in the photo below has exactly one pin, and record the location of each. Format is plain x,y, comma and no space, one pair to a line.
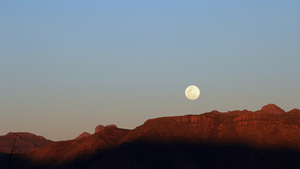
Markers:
267,138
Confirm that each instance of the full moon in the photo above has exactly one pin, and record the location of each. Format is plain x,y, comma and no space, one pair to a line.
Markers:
192,92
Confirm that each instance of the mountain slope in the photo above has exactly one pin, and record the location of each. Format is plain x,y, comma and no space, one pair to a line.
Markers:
267,138
25,142
76,153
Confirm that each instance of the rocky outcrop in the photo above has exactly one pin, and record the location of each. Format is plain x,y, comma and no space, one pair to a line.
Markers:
82,135
101,127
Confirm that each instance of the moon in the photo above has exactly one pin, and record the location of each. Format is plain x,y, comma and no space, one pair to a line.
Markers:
192,92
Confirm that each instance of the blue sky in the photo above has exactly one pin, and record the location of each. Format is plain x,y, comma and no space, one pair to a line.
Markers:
68,66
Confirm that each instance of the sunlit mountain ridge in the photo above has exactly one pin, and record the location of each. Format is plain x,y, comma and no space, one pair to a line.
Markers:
267,138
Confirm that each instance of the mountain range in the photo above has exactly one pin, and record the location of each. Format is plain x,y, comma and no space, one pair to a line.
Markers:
267,138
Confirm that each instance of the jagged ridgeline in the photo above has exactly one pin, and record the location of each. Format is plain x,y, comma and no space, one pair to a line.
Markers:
267,138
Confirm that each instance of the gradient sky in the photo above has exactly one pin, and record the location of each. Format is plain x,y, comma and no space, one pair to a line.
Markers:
68,66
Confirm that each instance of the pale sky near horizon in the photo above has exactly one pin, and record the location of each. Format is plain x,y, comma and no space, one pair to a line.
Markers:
68,66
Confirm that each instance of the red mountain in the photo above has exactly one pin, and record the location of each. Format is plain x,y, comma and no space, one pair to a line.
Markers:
65,152
25,142
272,109
267,138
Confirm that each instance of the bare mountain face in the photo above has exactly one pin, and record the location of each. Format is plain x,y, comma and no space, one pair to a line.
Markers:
272,109
84,134
76,153
267,138
268,127
25,142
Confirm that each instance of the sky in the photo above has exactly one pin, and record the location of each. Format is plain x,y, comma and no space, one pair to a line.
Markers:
68,66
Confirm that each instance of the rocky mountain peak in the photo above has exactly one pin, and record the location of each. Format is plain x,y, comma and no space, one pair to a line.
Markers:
84,134
272,109
98,128
101,127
